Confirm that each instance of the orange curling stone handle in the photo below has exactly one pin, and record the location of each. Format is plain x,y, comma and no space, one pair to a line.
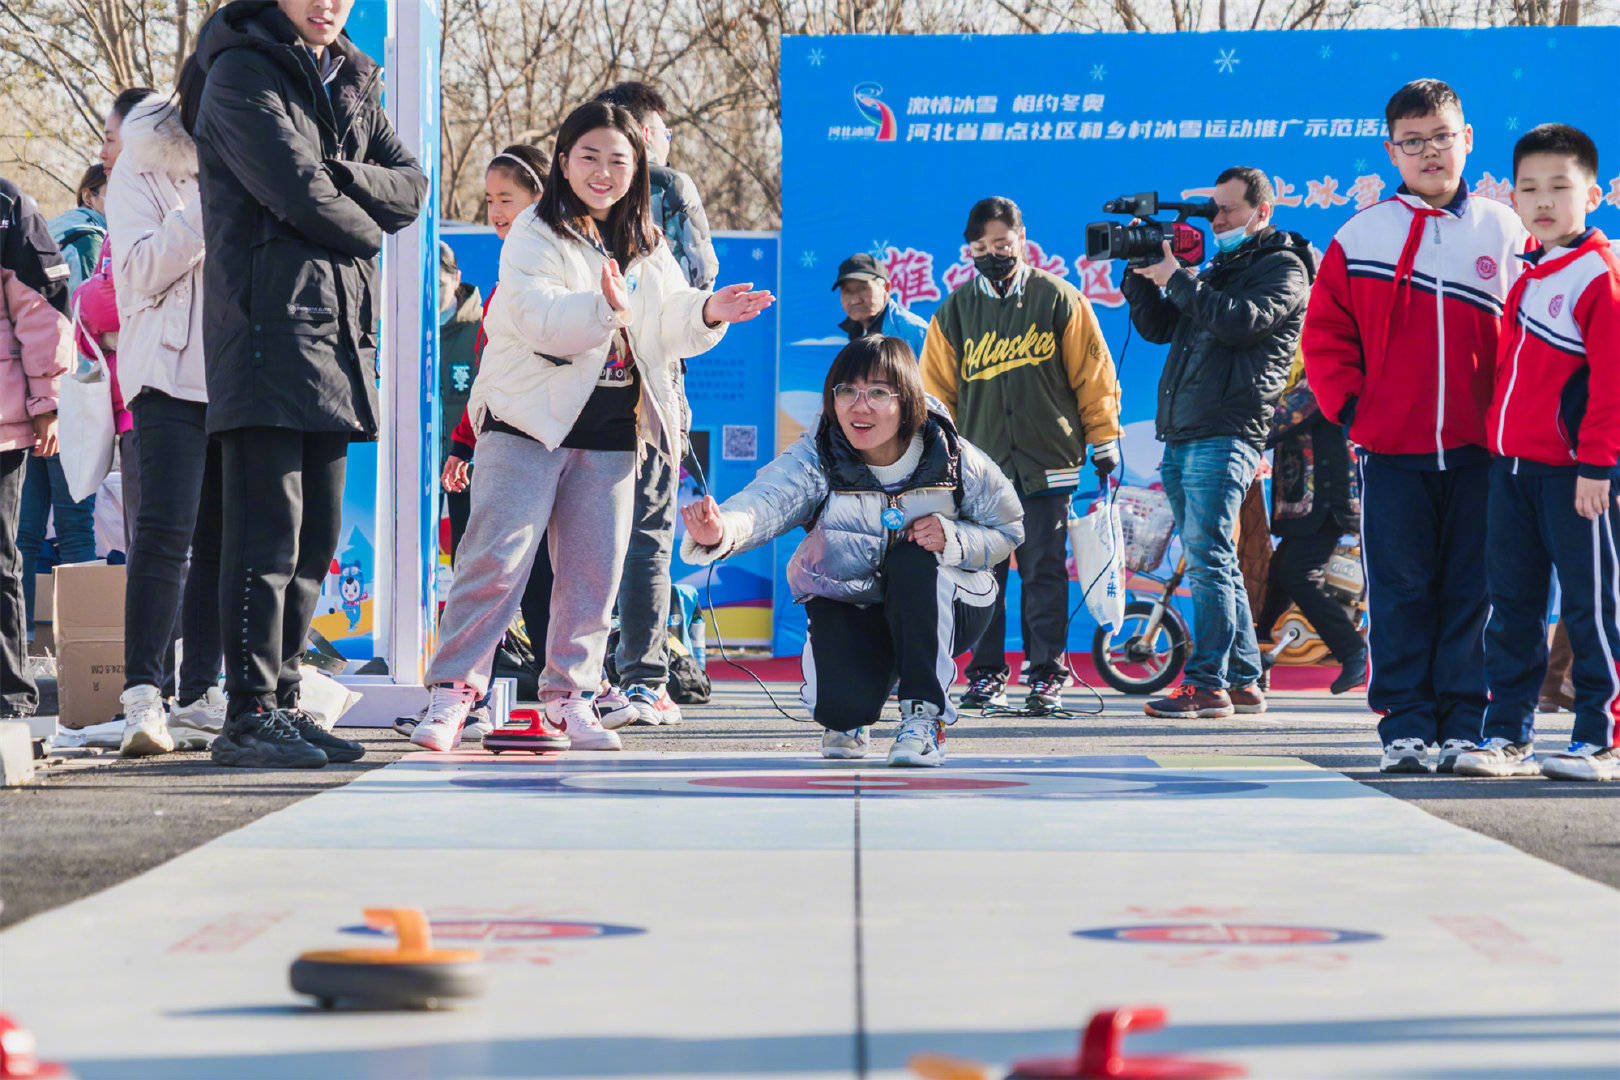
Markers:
415,946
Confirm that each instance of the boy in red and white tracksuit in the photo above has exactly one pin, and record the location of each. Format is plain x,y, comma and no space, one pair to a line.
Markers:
1554,428
1400,343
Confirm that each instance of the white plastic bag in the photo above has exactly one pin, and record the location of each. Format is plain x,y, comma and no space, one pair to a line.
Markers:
85,420
323,697
1099,544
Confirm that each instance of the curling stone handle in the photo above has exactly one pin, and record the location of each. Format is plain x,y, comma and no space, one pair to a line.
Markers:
1102,1046
410,927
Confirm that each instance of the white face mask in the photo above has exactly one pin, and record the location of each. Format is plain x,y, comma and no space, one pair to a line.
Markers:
1232,239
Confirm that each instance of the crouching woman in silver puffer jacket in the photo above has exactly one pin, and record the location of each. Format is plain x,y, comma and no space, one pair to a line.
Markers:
906,521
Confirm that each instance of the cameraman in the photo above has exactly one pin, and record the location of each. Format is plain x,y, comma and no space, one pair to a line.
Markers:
1232,331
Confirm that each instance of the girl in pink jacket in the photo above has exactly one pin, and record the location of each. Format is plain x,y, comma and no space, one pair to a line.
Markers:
35,348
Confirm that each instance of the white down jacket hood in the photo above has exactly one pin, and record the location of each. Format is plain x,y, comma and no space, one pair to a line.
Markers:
550,329
155,218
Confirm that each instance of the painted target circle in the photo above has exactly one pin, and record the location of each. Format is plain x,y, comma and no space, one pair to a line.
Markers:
843,784
1227,934
813,783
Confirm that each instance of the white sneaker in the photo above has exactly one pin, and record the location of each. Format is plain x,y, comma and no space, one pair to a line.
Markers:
1582,761
845,744
146,723
1446,760
653,706
440,726
1499,757
195,726
477,726
577,717
1406,756
921,738
613,709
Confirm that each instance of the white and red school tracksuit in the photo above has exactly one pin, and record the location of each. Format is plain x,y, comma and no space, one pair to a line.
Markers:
1555,416
1400,345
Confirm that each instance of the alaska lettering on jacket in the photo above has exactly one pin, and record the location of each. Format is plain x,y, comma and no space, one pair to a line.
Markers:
991,354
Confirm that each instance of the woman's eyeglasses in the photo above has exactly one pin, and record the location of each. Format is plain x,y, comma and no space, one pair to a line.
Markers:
877,397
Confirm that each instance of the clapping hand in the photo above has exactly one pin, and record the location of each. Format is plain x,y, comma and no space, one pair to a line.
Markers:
735,304
614,289
703,522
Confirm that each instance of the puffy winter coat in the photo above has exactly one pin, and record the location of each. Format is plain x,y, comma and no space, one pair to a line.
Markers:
821,483
678,209
79,233
1232,331
550,330
157,266
36,340
301,175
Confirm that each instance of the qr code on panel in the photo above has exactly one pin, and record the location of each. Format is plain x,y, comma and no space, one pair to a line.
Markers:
739,442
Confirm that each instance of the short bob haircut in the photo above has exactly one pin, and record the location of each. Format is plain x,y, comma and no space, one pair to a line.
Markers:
879,358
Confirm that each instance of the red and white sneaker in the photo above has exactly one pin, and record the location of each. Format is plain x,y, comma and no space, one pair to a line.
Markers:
577,717
653,706
440,727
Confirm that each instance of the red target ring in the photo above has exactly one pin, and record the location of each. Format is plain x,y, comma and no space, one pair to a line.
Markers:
846,783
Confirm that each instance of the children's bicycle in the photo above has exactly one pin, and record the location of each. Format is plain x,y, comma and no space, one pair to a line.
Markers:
1147,651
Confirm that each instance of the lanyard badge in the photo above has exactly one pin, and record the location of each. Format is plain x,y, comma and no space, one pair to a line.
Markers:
894,518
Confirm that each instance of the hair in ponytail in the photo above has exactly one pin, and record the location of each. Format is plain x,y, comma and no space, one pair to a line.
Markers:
524,165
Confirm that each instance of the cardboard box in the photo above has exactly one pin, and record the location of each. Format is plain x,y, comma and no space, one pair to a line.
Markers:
89,611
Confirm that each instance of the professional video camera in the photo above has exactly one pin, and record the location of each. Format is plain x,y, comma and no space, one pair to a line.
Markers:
1142,244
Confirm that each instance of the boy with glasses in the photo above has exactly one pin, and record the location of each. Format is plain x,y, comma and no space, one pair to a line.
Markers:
1400,345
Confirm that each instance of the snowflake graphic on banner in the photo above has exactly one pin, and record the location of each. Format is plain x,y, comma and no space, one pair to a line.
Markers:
911,275
1491,188
1226,61
1098,72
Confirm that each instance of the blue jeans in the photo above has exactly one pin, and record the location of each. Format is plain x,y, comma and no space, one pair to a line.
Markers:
1206,480
45,489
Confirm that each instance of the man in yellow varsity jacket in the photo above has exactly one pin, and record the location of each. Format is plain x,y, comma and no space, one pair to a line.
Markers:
1017,356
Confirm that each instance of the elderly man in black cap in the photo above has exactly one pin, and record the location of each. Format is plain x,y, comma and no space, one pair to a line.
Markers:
863,287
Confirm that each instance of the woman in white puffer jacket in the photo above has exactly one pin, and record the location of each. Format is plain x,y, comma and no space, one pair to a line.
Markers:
578,372
153,209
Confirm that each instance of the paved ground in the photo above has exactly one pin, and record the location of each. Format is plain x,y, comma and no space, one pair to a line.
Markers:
80,830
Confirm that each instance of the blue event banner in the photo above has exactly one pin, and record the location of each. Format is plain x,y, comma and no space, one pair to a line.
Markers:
888,141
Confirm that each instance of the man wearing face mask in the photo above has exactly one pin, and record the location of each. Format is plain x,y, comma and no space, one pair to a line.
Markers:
1232,329
1018,357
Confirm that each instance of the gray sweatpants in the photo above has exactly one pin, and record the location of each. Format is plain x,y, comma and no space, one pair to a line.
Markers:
581,501
644,592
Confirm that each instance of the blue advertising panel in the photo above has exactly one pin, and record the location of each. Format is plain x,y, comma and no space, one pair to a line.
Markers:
732,391
887,142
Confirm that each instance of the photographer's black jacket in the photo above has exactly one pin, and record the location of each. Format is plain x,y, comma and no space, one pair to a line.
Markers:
1232,331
